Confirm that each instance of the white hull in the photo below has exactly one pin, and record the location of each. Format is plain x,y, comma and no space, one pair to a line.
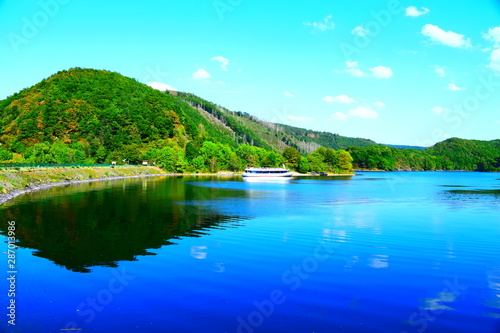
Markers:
267,175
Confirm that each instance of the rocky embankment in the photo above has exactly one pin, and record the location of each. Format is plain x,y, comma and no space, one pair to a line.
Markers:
14,182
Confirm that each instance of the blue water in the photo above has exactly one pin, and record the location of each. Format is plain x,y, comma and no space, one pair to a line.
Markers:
377,252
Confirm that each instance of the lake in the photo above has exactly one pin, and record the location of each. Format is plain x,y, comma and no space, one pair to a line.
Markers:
398,252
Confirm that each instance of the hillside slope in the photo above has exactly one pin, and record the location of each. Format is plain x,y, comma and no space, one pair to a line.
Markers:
451,154
469,154
98,110
251,130
96,116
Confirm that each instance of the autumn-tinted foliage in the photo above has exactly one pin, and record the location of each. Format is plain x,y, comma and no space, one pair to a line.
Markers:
96,116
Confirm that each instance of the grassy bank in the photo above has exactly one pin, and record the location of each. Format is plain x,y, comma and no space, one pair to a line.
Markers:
17,179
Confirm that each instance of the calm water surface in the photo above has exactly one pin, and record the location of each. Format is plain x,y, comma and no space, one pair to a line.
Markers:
377,252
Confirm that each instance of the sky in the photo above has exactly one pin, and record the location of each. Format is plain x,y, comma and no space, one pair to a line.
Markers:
396,72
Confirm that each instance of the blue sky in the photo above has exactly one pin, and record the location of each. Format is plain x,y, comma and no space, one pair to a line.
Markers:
399,72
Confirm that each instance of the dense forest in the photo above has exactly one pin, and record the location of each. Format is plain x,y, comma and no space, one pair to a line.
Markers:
451,154
96,116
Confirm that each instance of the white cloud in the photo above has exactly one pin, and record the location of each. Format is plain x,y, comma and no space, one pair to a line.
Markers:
379,104
495,60
352,64
161,86
359,31
343,99
223,62
440,71
201,74
453,87
300,118
322,26
449,38
493,35
220,82
339,116
355,72
288,94
359,112
381,72
408,52
352,68
362,112
415,12
438,110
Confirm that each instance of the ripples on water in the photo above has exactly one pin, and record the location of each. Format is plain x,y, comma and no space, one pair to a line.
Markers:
378,252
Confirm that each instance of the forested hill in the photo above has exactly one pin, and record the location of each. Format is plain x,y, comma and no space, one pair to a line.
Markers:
451,154
96,116
250,129
469,154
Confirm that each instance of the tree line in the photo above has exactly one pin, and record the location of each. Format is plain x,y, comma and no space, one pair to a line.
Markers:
192,157
451,154
94,116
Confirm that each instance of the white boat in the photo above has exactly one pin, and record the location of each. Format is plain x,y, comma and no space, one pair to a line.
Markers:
267,172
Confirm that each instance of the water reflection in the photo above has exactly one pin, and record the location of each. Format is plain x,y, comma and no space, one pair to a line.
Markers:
440,301
458,197
477,193
102,224
493,303
199,252
379,261
267,179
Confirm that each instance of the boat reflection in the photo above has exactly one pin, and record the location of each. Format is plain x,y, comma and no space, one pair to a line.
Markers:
267,179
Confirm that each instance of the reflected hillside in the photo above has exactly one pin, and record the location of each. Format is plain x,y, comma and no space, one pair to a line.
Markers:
100,224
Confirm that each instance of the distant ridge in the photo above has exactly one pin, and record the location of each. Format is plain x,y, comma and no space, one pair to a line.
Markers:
97,116
406,147
268,134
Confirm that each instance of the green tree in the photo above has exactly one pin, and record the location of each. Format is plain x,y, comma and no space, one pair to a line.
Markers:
101,154
167,159
316,162
271,160
247,154
304,165
211,154
291,156
345,161
198,164
191,151
5,154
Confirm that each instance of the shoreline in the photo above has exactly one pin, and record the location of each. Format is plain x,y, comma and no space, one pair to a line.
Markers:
4,197
12,193
8,195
